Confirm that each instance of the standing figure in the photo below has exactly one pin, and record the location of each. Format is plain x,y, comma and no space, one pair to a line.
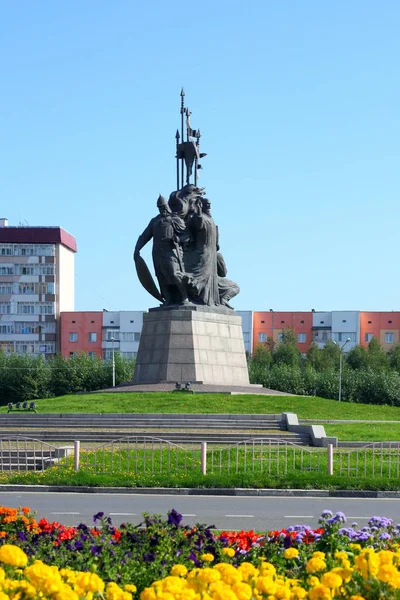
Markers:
167,231
200,255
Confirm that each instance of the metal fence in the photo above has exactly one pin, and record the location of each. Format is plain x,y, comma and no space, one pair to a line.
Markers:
264,455
139,454
379,459
20,453
151,455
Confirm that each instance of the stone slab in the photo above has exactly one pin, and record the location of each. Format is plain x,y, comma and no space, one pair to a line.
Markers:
191,343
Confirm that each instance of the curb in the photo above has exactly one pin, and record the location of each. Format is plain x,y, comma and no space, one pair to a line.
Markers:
240,492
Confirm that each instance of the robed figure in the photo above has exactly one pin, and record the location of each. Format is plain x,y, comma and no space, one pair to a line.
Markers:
200,255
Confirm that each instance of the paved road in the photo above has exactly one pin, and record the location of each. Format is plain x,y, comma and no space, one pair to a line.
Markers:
224,512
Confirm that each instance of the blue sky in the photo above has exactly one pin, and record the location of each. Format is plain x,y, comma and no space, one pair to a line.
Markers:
298,105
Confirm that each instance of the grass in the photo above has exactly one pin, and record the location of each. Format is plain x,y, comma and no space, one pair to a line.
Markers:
169,402
362,432
359,470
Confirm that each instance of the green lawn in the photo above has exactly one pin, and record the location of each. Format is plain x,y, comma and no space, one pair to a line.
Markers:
365,432
170,402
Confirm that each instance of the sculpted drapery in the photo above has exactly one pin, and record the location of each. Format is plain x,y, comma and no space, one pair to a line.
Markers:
185,252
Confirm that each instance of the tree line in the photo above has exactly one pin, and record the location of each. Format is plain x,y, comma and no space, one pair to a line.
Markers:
369,375
24,377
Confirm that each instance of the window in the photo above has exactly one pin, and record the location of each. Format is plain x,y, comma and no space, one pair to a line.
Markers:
7,250
262,321
302,322
26,308
344,321
92,337
301,338
92,321
322,322
73,337
280,337
369,322
368,337
389,321
131,321
129,355
92,354
262,337
72,354
5,308
324,336
137,337
6,289
389,338
111,333
282,321
346,335
6,328
6,269
246,337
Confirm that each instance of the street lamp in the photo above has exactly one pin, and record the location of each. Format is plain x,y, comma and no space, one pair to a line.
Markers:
113,362
340,366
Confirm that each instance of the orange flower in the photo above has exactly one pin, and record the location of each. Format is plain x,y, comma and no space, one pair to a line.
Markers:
26,510
3,534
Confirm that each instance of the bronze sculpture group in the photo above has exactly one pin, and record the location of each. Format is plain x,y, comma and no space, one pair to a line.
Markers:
187,262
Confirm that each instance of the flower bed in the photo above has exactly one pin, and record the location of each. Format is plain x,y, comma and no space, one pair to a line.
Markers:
163,559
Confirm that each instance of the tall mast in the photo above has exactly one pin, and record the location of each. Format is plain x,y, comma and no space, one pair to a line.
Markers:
182,130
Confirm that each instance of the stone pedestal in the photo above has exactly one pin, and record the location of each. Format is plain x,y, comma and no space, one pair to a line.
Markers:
192,343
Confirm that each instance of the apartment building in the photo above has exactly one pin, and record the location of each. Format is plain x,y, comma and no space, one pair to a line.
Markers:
272,323
247,328
36,284
337,326
385,326
101,333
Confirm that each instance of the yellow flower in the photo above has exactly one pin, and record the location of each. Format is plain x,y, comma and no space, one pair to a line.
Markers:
315,564
177,570
13,555
331,580
320,592
228,552
208,557
90,582
242,590
291,553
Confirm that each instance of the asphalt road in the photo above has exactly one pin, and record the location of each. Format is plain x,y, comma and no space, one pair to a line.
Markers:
224,512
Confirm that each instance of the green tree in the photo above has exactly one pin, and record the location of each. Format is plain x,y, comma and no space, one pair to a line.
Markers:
314,357
378,358
330,356
394,358
358,358
287,351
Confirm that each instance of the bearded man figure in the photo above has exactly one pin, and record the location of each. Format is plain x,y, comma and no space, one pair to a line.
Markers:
168,232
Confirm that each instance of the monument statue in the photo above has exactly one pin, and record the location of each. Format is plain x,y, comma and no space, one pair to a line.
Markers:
186,261
194,335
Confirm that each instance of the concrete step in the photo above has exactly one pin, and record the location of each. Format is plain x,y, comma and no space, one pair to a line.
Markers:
148,424
189,416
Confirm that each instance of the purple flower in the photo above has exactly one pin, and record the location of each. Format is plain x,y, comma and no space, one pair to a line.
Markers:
149,557
174,518
98,516
95,550
22,536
